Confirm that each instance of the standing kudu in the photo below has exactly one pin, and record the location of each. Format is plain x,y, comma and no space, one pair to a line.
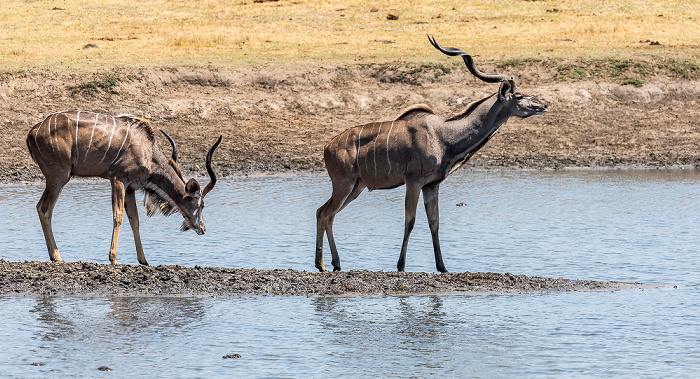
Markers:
418,149
122,149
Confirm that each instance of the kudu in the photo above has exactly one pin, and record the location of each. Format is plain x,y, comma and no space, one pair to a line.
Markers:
122,149
418,149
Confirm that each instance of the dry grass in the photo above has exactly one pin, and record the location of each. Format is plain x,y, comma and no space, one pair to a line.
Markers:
53,33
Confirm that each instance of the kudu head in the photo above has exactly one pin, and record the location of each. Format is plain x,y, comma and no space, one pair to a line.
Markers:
518,104
192,205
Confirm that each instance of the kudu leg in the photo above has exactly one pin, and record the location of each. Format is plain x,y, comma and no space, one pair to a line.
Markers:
133,215
325,215
118,195
356,191
320,230
430,199
412,195
45,208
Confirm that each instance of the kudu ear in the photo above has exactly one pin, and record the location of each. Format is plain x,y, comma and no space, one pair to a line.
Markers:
192,187
504,90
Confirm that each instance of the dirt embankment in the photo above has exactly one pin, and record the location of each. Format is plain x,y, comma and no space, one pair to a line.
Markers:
277,118
91,279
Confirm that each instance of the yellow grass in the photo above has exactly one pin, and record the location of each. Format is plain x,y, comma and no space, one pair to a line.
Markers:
145,32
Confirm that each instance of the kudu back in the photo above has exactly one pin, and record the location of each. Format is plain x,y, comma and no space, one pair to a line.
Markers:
418,149
124,150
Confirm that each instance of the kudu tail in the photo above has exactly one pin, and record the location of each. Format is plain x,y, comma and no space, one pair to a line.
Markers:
29,146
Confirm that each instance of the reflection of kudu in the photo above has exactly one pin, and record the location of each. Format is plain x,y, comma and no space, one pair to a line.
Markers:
124,150
418,149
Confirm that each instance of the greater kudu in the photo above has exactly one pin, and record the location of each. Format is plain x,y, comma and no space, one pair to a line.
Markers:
122,149
418,149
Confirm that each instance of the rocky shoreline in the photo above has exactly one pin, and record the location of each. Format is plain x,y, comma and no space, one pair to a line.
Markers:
92,279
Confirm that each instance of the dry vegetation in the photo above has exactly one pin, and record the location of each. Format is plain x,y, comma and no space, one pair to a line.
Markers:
174,32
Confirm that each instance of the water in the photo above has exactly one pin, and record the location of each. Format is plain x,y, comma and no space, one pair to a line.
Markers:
607,225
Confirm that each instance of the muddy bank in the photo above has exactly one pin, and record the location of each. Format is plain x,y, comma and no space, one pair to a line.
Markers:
276,118
92,279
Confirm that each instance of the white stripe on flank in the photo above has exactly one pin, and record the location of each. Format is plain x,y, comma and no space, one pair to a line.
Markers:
387,146
359,144
36,142
367,156
92,134
109,144
345,149
375,149
346,140
37,130
123,142
337,149
54,127
77,120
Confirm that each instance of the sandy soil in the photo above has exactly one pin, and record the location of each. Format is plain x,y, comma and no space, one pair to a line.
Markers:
277,119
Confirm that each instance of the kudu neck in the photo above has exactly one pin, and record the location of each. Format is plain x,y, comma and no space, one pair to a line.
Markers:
167,179
474,127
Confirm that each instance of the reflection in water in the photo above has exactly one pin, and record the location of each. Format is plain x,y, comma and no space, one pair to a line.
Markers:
406,320
424,323
640,333
57,326
477,337
125,315
103,328
391,332
136,313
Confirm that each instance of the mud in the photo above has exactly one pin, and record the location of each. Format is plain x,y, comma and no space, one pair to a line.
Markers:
92,279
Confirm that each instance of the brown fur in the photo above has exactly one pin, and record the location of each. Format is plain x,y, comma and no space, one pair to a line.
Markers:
146,125
470,107
418,108
176,168
140,122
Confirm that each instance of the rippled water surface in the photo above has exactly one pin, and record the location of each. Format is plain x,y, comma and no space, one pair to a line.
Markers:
608,225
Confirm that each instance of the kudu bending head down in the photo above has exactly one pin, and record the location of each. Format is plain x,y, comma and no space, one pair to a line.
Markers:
418,149
122,149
